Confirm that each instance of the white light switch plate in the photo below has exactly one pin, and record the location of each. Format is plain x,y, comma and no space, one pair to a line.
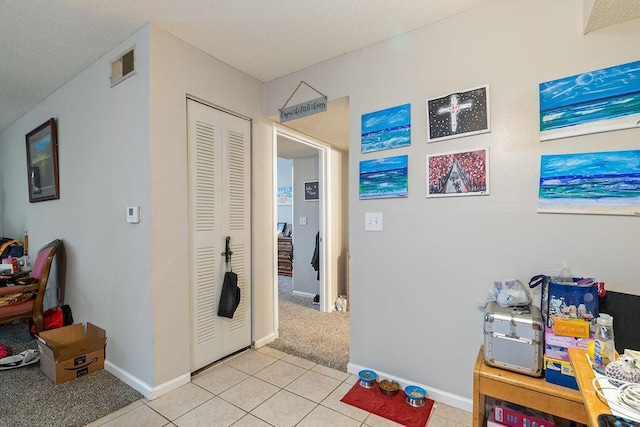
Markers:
303,220
373,221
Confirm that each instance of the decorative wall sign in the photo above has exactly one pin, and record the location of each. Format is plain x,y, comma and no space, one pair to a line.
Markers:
462,173
303,109
458,114
386,129
42,162
311,191
605,183
596,101
285,196
384,178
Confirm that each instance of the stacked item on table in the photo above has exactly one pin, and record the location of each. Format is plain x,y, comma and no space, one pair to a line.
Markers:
512,415
570,310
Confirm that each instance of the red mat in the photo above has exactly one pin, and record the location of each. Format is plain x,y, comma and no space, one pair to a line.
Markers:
393,408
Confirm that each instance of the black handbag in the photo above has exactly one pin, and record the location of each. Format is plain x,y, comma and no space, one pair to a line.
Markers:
230,295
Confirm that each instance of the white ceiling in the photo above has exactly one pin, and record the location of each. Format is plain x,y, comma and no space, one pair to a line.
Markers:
45,43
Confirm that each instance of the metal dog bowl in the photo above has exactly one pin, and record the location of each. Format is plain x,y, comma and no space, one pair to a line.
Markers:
415,395
367,378
389,387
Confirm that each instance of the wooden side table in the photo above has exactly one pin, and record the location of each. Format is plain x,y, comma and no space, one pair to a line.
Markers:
584,376
534,393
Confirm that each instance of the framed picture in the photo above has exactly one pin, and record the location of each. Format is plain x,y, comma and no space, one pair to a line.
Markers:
285,196
42,162
384,178
458,114
311,191
595,101
281,226
463,173
606,183
386,129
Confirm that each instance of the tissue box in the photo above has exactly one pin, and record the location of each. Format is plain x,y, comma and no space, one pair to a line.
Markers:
557,346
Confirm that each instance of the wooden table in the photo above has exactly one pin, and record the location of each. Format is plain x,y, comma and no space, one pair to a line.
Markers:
523,390
584,376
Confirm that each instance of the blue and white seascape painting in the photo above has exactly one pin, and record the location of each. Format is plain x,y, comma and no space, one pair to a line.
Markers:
596,101
386,129
606,183
384,178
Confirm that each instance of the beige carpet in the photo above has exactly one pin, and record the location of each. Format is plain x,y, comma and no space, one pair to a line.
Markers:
306,332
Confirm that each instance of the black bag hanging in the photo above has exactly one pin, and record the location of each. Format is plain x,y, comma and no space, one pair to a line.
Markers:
230,295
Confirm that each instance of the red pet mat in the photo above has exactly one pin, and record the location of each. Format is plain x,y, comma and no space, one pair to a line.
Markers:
393,408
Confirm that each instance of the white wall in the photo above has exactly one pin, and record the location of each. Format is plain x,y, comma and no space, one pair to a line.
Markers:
104,164
304,236
436,258
178,69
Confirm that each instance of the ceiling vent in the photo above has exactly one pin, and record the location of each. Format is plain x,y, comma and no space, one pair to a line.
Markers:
123,67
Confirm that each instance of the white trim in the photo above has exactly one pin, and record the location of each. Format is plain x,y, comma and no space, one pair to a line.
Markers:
303,294
145,389
432,393
264,341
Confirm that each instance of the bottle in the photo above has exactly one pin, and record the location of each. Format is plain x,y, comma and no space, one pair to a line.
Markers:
25,243
604,350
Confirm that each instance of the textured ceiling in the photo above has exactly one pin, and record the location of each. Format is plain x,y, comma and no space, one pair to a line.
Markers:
45,43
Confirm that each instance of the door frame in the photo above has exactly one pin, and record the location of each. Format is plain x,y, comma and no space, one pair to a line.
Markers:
324,167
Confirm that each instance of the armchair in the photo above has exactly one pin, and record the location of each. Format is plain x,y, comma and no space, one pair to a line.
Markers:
24,299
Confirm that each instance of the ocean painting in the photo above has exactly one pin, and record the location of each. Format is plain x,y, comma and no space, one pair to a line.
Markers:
384,178
386,129
606,183
463,173
596,101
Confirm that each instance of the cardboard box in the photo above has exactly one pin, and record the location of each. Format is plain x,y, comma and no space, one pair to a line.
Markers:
571,327
514,415
560,372
71,351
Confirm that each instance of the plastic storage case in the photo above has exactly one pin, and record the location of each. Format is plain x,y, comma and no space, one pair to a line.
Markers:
514,338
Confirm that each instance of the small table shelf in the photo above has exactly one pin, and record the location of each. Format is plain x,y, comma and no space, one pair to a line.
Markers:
285,259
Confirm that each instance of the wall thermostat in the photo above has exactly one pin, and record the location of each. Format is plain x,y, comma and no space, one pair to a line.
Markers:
133,214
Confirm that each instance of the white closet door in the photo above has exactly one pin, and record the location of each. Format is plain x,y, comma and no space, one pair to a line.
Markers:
219,179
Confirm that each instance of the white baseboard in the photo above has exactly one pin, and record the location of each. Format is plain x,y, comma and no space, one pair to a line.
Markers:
432,393
264,341
303,294
145,389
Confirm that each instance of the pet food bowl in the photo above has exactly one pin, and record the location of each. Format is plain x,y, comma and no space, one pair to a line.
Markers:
389,387
415,395
367,378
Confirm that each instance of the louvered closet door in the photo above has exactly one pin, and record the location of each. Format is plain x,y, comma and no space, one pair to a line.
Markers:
219,177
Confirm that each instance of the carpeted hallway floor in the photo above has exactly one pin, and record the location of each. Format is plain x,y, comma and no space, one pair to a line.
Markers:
306,332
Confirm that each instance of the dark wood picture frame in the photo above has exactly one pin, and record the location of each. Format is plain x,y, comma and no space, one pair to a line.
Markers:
42,162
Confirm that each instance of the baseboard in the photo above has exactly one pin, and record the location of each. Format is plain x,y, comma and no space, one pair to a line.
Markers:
145,389
433,393
264,341
303,294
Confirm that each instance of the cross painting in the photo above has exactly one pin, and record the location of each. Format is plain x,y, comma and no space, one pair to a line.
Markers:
596,101
606,183
458,114
463,173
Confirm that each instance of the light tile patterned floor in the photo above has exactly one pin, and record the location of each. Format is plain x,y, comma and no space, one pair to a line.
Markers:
264,387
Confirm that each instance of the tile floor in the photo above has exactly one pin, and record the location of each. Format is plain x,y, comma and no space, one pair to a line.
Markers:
264,387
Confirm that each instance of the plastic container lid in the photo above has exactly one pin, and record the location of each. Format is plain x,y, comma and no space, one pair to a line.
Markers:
605,319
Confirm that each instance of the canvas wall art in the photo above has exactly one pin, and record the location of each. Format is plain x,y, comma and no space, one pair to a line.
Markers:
597,101
386,129
463,173
285,196
384,178
605,183
458,114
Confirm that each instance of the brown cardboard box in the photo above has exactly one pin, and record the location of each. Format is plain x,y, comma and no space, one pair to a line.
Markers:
71,351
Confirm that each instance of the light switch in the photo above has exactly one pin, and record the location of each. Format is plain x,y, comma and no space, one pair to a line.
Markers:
373,221
303,220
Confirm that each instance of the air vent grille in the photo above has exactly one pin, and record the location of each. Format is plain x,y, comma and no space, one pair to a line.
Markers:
123,67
